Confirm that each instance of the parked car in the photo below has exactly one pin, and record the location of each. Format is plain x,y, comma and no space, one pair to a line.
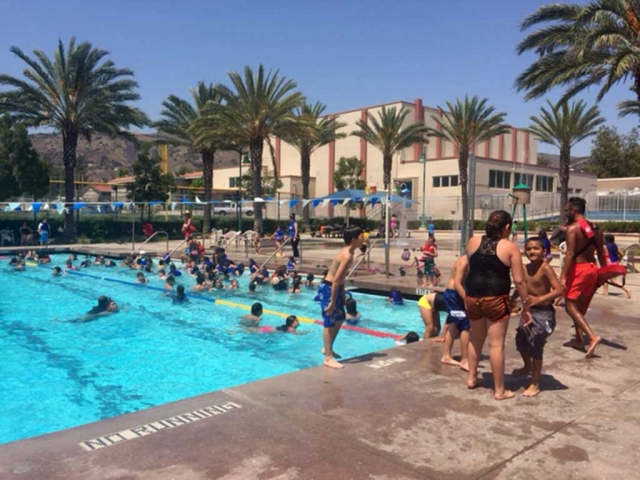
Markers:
229,207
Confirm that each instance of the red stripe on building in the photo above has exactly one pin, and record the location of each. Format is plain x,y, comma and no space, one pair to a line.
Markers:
514,144
278,155
363,146
487,148
526,147
332,169
439,140
501,147
418,116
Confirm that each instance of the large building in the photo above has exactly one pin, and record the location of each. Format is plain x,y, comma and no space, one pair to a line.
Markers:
501,163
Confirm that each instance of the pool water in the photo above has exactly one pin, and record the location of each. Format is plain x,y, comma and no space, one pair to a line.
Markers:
59,373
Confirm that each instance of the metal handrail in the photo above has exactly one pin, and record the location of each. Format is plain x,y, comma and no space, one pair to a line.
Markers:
231,238
276,251
366,254
192,236
149,239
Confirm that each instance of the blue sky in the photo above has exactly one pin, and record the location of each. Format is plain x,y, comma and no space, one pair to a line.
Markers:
346,54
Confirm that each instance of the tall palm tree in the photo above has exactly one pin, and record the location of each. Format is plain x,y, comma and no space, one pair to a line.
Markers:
387,135
179,119
582,46
466,123
321,131
77,94
257,106
563,125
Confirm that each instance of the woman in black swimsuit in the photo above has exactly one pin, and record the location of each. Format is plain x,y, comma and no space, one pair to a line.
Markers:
491,259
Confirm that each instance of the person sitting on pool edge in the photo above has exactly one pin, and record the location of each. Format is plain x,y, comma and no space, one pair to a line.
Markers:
252,319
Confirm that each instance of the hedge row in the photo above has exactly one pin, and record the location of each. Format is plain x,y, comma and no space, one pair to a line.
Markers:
104,228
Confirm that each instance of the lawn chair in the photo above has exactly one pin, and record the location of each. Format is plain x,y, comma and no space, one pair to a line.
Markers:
6,237
629,257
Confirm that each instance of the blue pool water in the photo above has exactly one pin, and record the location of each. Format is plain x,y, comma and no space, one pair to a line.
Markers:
57,373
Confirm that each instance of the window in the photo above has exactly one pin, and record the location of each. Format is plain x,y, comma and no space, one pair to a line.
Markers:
526,178
499,179
544,183
445,181
234,182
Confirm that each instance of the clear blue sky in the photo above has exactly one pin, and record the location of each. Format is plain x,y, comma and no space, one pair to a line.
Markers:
344,53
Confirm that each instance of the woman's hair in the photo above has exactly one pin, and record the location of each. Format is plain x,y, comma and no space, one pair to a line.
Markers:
497,222
291,319
542,234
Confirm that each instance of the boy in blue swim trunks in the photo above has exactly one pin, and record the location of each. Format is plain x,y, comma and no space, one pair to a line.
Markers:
457,320
332,296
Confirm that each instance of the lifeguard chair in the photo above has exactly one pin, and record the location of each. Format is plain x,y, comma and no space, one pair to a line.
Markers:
521,195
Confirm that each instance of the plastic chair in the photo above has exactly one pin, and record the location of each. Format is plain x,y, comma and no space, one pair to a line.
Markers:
6,237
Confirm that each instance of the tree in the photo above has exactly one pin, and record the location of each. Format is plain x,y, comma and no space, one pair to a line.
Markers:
149,184
122,172
348,174
466,124
563,125
321,131
270,184
179,120
22,171
583,46
387,135
77,94
615,155
259,105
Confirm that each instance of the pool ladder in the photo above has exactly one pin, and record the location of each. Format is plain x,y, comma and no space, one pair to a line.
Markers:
150,238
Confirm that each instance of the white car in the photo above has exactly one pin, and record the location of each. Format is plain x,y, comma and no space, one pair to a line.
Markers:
229,207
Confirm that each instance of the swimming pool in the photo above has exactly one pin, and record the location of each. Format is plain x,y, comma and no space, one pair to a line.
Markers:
57,373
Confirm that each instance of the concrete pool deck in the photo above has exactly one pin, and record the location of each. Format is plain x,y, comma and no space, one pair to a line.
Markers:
393,414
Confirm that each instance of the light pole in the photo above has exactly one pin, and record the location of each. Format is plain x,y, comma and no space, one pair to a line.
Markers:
241,159
423,161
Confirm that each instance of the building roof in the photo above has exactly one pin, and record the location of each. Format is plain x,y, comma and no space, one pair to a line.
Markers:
101,188
121,180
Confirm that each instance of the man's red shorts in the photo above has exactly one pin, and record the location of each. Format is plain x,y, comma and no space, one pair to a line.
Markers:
582,280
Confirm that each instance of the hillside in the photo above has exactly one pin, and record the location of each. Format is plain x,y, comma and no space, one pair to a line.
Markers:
577,163
100,160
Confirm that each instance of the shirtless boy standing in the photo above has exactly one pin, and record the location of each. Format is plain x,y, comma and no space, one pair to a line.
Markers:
543,287
579,272
331,293
457,320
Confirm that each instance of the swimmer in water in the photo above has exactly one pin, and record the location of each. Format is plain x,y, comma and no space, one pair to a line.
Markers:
57,271
180,296
106,306
141,278
253,319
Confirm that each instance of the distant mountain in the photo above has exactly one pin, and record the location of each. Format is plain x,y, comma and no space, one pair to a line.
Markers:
100,160
553,160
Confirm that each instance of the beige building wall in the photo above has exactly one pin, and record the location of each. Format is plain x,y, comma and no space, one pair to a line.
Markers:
607,185
512,152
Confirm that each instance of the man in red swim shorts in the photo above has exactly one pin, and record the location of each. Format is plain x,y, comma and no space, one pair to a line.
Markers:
579,272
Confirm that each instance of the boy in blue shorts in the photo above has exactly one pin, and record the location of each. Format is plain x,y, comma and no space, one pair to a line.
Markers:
457,321
332,296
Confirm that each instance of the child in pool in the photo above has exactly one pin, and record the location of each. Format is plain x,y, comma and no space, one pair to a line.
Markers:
141,279
352,315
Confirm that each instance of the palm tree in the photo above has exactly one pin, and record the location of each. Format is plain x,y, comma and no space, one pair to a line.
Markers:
592,45
77,94
321,131
258,106
564,125
466,124
387,135
179,119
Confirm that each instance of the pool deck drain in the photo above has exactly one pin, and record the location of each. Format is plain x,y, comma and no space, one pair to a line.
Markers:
409,417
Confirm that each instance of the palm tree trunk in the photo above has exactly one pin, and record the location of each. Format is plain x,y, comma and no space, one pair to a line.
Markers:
565,163
69,147
255,150
387,161
207,173
305,171
463,166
